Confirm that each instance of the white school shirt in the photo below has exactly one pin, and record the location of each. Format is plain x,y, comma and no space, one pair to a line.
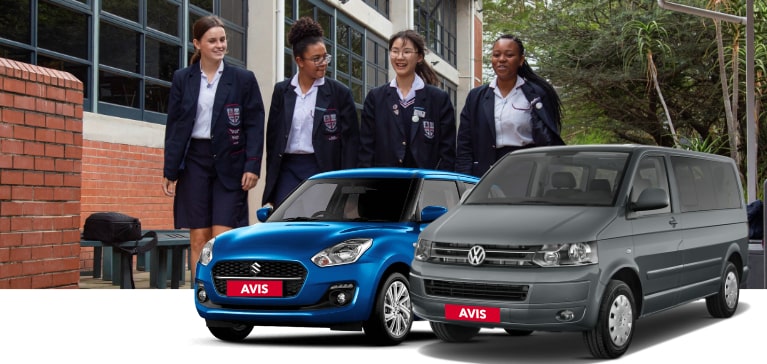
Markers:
302,125
513,118
418,84
204,119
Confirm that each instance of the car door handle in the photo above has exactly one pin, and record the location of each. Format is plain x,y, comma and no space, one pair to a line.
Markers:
672,222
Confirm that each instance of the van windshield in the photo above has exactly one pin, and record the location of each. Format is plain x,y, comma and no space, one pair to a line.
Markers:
587,178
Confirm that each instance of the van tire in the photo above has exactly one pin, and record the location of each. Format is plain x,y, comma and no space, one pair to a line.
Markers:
392,316
453,333
514,332
231,334
616,314
725,302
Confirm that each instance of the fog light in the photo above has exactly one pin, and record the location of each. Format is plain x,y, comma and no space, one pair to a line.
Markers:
341,298
202,295
565,315
341,293
551,258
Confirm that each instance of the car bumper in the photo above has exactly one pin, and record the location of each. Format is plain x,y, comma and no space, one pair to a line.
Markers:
311,306
542,297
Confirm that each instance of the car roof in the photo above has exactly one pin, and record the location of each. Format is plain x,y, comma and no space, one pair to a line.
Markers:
394,172
628,148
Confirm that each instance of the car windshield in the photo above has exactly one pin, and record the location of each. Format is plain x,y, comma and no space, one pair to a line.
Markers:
552,178
363,199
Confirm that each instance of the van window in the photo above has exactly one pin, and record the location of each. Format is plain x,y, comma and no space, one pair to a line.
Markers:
438,193
651,173
705,184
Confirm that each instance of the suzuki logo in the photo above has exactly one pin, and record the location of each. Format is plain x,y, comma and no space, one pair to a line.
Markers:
255,268
476,255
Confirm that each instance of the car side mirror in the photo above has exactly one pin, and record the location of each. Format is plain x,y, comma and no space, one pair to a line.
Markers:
651,199
431,213
263,213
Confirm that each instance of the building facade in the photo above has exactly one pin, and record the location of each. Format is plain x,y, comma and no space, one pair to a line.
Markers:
125,52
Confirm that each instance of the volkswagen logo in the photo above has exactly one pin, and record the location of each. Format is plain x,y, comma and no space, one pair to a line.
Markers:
255,268
476,255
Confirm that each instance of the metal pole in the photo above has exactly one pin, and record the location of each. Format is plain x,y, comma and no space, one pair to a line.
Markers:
748,21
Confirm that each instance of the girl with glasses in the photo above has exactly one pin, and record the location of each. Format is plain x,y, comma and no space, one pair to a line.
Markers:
312,125
408,122
517,109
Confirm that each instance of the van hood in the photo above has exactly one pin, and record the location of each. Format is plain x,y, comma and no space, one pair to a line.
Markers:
504,224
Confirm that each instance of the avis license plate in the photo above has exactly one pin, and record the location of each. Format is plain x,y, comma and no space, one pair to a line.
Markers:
250,288
472,313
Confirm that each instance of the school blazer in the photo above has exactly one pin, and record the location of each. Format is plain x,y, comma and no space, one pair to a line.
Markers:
335,133
237,125
432,141
476,133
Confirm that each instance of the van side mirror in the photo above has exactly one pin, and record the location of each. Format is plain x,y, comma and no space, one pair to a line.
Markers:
431,213
263,213
651,199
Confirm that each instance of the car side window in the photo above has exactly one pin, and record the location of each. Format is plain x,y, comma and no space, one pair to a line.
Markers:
650,174
438,193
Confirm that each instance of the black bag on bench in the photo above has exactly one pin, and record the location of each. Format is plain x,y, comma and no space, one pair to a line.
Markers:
114,228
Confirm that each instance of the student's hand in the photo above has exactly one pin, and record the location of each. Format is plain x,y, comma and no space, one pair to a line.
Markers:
169,187
249,180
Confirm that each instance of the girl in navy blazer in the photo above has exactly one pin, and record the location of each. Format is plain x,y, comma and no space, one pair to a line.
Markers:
518,109
408,122
312,125
213,139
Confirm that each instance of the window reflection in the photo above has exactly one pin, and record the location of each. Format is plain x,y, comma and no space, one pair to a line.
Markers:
62,30
118,47
127,9
118,89
163,16
156,98
14,15
161,59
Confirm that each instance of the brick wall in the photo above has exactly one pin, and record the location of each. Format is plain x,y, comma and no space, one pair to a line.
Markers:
40,162
123,178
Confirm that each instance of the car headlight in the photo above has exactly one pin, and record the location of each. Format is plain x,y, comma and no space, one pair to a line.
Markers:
557,255
423,250
342,253
206,254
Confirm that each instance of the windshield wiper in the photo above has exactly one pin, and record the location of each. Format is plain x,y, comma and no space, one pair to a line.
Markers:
300,218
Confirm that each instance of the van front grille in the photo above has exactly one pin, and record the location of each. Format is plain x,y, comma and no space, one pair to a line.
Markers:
495,255
474,290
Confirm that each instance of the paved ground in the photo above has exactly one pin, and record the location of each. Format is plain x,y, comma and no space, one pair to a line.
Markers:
140,279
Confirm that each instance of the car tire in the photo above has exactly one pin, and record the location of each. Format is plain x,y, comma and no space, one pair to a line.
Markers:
725,302
612,335
392,316
514,332
231,334
453,333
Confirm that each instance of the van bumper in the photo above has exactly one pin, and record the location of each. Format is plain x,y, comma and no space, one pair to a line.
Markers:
542,296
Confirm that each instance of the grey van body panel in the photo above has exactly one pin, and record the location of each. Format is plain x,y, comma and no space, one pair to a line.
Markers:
676,256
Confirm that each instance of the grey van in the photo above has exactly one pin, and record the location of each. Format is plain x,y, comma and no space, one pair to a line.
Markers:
584,238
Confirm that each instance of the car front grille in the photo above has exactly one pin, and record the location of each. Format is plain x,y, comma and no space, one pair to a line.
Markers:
495,255
292,274
474,290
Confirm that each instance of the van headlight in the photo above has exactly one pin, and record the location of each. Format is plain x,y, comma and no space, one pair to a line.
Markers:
206,254
423,250
557,255
342,253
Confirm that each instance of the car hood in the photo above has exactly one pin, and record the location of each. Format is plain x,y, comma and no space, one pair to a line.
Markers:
503,224
273,237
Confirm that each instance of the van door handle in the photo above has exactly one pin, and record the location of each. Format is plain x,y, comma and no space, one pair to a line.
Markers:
672,222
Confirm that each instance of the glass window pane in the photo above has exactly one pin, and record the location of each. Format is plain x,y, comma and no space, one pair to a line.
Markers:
234,44
356,42
81,71
343,35
117,89
163,16
16,54
161,59
232,10
343,62
358,93
62,30
118,47
156,98
127,9
192,18
14,15
357,66
203,4
287,69
305,9
289,9
326,21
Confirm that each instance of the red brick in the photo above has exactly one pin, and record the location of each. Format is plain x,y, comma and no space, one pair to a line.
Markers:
30,268
54,150
54,179
13,116
56,93
20,282
33,178
71,180
45,106
41,281
65,165
34,119
23,132
19,254
54,122
65,137
11,208
10,270
45,164
52,237
35,89
73,152
22,224
32,148
74,97
14,85
24,102
6,161
6,130
45,135
5,193
23,162
5,254
6,99
10,177
22,193
44,193
79,112
12,147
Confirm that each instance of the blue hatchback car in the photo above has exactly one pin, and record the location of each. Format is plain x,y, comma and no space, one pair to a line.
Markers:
336,254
